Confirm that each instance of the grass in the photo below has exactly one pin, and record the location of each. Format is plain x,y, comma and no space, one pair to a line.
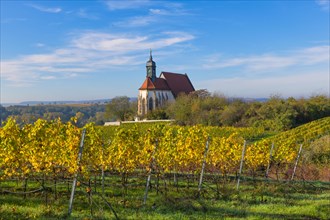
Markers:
255,200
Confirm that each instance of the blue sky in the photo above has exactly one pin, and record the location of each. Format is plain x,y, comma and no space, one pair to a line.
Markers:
78,50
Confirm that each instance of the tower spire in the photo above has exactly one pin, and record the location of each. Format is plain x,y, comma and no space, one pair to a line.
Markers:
150,54
151,68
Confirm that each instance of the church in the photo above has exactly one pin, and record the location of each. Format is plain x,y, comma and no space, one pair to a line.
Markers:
156,91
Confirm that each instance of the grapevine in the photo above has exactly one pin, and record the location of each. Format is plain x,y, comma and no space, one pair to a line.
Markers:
50,148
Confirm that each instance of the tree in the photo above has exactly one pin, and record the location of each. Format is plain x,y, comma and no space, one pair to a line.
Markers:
3,114
233,113
317,107
120,108
181,110
198,107
157,114
276,114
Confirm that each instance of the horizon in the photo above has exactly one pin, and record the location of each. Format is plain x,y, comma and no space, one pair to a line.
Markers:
104,100
86,50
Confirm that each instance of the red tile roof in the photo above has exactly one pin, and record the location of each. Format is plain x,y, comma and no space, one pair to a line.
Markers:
178,83
147,84
159,84
175,82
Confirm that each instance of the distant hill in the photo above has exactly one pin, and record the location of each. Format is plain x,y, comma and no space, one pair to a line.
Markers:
96,101
256,99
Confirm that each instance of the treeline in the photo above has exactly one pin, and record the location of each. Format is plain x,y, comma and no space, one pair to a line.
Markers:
274,114
30,114
199,107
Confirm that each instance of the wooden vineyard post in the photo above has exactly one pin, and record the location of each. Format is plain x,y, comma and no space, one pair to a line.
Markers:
102,170
81,147
295,165
203,166
25,186
102,181
149,174
241,165
270,159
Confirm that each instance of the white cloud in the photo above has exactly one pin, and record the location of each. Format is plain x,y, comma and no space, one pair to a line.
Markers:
160,12
295,85
299,72
12,20
127,4
324,4
138,21
87,52
155,15
39,45
314,55
47,9
84,14
22,73
156,11
135,4
172,10
117,43
48,77
271,62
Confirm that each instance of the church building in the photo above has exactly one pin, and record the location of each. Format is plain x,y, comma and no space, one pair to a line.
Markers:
156,91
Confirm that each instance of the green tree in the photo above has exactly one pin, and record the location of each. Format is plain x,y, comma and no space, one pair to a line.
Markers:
233,113
317,107
199,107
276,114
120,108
157,114
181,109
3,114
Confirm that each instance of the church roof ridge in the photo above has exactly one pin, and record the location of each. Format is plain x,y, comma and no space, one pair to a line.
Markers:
159,84
173,73
178,82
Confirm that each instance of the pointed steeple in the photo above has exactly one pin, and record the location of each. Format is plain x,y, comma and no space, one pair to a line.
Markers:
150,58
151,68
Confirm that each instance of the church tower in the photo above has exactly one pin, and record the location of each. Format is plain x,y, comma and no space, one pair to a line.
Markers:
151,68
155,91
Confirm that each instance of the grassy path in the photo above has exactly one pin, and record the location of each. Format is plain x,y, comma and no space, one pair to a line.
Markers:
254,200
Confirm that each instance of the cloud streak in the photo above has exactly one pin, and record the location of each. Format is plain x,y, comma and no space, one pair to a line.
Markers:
12,20
138,21
324,4
47,9
163,12
271,62
117,43
131,4
83,13
87,52
314,82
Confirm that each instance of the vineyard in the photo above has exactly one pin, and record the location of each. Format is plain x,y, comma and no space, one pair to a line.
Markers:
45,155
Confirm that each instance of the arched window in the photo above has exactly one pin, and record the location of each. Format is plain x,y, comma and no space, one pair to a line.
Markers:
151,104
